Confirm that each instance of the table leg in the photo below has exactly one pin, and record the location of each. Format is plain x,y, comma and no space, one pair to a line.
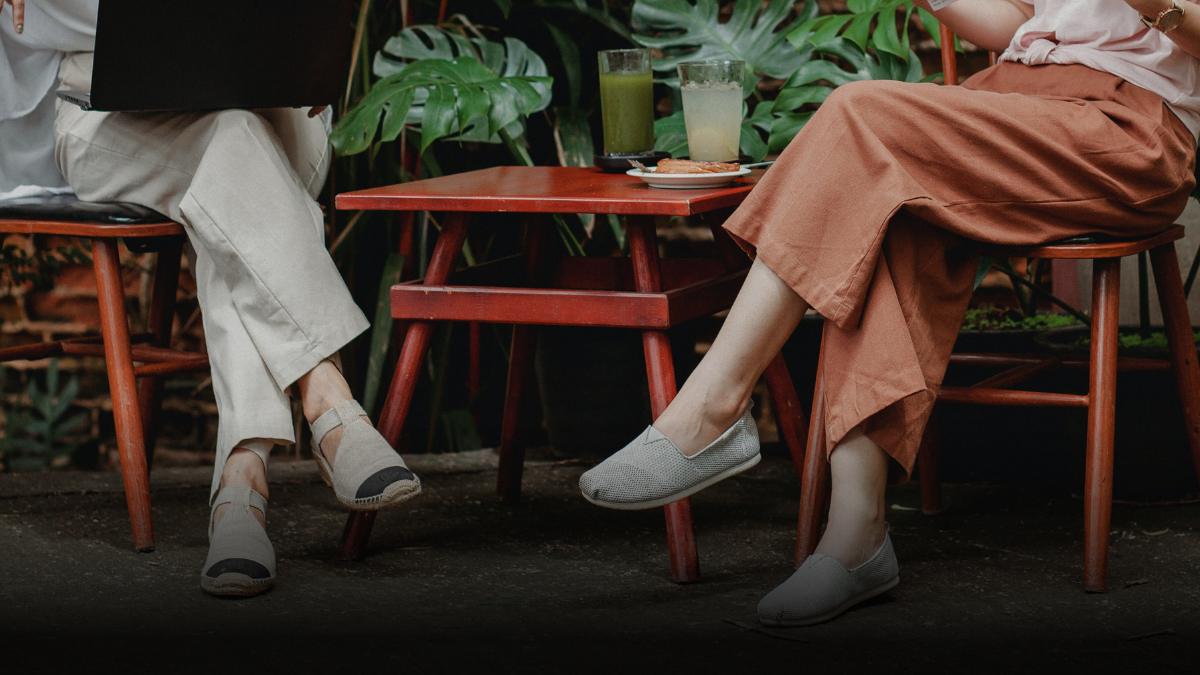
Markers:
512,448
789,412
407,373
474,366
814,481
520,366
660,374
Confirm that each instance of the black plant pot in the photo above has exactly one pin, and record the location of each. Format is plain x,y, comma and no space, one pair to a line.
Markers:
1076,341
1019,341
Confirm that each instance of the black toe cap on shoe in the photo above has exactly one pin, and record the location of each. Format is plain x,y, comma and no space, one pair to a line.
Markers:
250,568
375,485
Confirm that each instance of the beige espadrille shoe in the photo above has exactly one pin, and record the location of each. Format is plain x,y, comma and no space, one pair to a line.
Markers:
367,474
241,560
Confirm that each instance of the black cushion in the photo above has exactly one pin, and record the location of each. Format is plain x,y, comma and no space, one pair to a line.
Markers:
69,208
1083,239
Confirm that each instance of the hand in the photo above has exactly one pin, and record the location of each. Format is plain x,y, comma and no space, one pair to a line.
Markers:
18,7
317,110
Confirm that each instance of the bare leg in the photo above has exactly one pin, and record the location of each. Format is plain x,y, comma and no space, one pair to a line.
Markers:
827,585
762,318
856,507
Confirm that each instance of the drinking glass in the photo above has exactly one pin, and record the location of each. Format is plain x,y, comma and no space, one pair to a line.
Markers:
712,108
627,101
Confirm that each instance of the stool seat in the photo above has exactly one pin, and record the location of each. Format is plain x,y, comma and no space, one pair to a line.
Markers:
67,215
1091,247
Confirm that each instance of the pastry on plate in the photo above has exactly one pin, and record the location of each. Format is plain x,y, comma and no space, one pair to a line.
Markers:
690,166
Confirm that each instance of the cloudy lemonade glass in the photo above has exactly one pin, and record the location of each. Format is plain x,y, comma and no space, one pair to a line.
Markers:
712,108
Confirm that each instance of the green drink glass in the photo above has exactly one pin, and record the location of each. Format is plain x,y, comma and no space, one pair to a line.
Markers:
627,101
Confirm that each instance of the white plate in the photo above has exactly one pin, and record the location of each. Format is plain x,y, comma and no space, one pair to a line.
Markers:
687,181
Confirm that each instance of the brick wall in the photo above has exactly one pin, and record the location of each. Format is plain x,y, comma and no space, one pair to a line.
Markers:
69,309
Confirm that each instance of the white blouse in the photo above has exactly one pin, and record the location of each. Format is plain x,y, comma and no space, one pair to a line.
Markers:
28,78
1108,35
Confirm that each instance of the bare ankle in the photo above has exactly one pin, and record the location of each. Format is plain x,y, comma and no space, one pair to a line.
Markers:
244,468
322,388
852,544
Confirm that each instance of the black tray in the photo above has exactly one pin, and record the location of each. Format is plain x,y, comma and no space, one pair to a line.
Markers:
619,162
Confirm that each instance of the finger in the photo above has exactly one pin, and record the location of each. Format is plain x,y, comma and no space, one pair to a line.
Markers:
19,15
316,110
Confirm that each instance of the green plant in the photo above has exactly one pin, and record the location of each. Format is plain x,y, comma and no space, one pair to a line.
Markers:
692,30
41,436
447,86
870,22
788,74
989,318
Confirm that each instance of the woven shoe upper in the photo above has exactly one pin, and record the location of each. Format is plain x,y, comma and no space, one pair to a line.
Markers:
652,467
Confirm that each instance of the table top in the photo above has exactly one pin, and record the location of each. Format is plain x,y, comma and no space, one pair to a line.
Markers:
544,189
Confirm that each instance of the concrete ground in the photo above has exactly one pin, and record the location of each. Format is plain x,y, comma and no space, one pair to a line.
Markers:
457,580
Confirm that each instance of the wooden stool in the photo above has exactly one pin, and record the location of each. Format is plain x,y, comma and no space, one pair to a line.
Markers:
145,355
642,293
1100,400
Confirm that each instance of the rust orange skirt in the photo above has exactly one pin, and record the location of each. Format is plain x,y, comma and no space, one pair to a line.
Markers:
875,212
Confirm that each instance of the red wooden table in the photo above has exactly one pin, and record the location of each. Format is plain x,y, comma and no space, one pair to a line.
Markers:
640,292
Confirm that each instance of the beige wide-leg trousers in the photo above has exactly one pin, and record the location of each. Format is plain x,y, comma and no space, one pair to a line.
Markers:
243,184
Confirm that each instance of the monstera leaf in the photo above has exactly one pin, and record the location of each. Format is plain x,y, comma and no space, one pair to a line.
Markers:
848,63
691,30
450,87
868,22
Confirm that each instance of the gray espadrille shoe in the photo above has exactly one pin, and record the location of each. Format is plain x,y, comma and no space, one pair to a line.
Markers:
241,560
823,588
367,474
651,471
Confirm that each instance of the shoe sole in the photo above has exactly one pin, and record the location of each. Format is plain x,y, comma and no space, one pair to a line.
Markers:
393,495
833,614
663,501
235,585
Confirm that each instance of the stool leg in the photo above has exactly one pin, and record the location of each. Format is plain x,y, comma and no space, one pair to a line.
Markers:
814,480
122,386
512,450
660,374
928,459
1183,344
793,427
1097,499
407,372
158,324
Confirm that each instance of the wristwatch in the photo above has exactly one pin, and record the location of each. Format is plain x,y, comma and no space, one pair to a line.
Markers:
1168,19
